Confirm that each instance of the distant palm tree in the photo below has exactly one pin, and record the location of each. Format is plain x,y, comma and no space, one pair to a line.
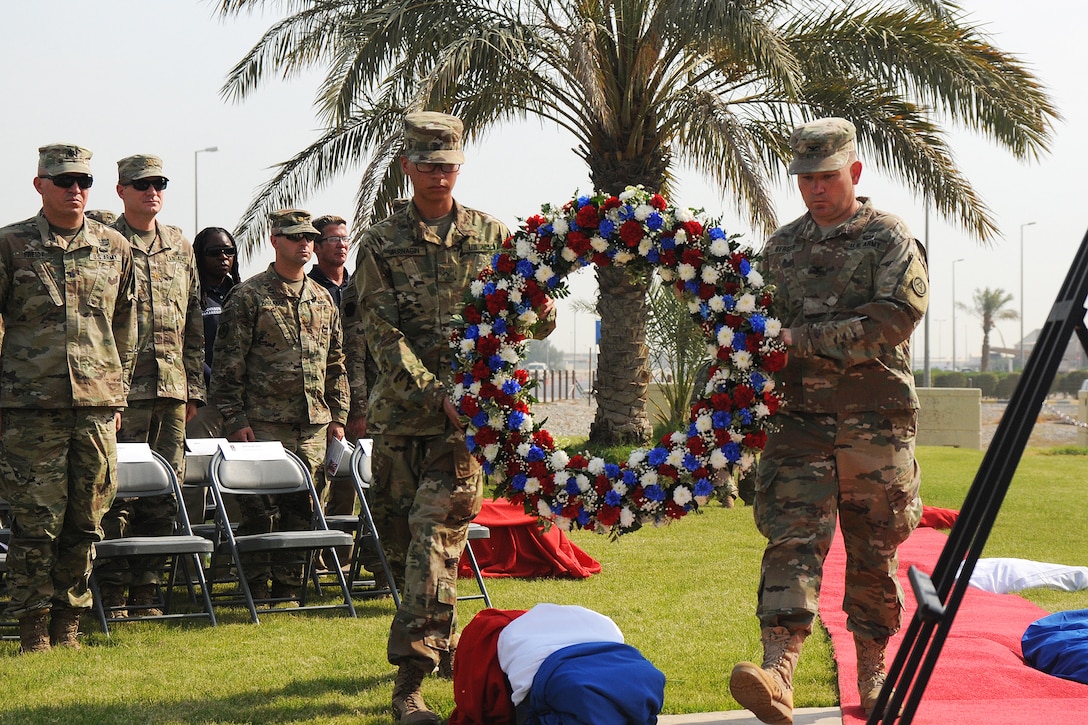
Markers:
988,306
642,86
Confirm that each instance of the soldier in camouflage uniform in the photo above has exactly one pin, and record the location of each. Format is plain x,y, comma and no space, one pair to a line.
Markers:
412,274
168,380
279,376
852,285
67,300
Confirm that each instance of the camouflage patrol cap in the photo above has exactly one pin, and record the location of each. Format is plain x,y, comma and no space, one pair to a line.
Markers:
432,137
63,158
822,145
292,221
140,166
102,216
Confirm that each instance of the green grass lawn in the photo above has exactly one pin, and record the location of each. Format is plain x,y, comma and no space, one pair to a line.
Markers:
683,594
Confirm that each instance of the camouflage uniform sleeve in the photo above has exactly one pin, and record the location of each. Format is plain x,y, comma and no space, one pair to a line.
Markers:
355,352
193,349
337,395
899,300
126,321
377,301
232,343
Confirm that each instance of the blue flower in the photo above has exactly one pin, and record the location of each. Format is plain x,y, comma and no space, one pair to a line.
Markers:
583,200
536,453
668,243
480,419
613,498
745,267
489,467
572,486
721,419
489,289
740,342
495,362
511,387
583,517
758,380
704,311
691,462
546,230
654,221
472,332
745,416
654,492
470,442
499,326
518,481
625,212
630,477
612,470
606,227
758,322
653,256
514,421
468,380
731,451
692,430
703,487
692,286
729,302
553,281
715,233
657,456
525,268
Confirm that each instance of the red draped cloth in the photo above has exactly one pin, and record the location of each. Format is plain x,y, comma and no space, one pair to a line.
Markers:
519,547
481,692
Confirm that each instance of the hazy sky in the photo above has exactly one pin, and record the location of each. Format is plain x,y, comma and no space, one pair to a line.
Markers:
140,76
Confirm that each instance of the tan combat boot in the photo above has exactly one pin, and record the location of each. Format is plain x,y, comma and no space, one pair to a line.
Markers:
34,631
768,690
64,627
113,601
445,663
871,669
144,599
408,705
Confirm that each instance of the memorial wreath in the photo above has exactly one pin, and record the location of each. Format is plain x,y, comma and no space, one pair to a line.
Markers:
714,273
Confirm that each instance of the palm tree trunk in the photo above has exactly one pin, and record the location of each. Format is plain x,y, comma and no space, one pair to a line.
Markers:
622,374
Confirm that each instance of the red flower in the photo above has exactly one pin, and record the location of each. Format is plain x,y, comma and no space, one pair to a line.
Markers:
488,346
578,243
631,233
658,202
486,436
743,396
775,360
608,515
505,264
611,202
696,445
576,462
470,406
772,402
693,228
755,440
472,315
694,257
534,222
674,510
544,439
587,217
496,302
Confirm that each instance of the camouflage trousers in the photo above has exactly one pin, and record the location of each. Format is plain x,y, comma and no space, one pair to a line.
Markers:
160,423
860,468
426,490
263,514
58,472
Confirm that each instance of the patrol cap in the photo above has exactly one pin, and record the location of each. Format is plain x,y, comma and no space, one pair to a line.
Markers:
103,216
140,166
433,137
292,221
63,158
822,145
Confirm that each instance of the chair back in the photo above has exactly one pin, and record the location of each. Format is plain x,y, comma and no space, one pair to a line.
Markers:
362,462
143,472
274,475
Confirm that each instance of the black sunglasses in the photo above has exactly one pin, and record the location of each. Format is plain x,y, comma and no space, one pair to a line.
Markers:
144,184
220,252
299,237
65,181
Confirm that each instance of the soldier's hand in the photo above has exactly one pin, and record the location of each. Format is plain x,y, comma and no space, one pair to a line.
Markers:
190,410
242,435
356,427
117,420
336,431
451,412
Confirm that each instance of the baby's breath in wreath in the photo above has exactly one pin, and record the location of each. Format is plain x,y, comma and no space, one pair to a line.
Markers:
728,424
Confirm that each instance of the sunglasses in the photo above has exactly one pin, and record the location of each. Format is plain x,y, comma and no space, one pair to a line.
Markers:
334,240
144,184
298,237
220,252
65,181
429,168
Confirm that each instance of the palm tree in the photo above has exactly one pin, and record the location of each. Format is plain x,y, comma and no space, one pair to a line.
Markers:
988,306
642,85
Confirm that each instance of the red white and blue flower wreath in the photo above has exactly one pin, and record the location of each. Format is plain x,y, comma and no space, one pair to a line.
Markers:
726,295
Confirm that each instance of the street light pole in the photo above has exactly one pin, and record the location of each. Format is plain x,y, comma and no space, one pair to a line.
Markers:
196,185
954,262
1025,224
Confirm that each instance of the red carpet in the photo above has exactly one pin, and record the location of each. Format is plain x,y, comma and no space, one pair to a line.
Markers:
519,548
980,676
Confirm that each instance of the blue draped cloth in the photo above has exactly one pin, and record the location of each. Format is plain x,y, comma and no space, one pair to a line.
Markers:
1058,644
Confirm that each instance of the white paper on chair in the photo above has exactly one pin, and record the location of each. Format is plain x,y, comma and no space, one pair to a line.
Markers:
204,446
337,456
367,445
253,451
134,453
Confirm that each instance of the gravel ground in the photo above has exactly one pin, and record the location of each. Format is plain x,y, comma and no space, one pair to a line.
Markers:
1055,426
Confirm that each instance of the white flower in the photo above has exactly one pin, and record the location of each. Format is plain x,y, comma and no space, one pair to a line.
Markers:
649,478
583,482
497,420
596,465
719,248
628,193
747,460
476,288
598,243
704,423
562,523
485,329
524,248
772,327
693,306
559,460
532,485
643,212
666,275
627,518
474,389
560,227
716,303
675,457
522,450
681,495
509,354
527,318
467,345
717,460
568,254
635,457
458,391
681,236
684,215
762,411
544,273
622,257
677,438
491,450
742,359
620,487
542,508
686,272
725,336
709,275
645,245
746,304
515,295
755,278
